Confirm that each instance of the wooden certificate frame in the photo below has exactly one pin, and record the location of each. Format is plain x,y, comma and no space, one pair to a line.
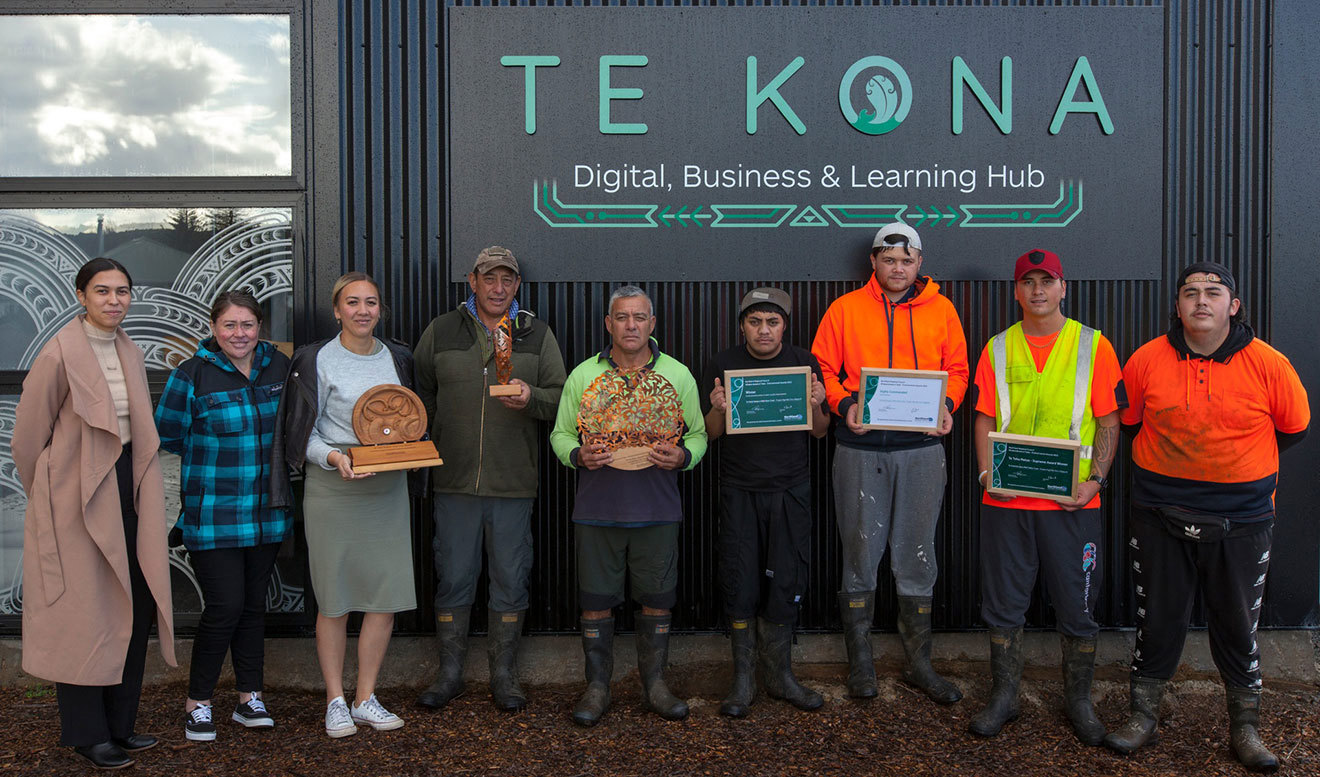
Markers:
770,399
1015,457
913,399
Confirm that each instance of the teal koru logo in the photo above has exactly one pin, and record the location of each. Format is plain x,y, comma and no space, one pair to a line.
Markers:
883,90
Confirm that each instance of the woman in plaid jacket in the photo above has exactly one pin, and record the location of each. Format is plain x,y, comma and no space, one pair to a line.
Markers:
218,413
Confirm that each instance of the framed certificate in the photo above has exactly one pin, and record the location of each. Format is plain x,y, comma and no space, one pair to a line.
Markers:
901,400
768,400
1042,467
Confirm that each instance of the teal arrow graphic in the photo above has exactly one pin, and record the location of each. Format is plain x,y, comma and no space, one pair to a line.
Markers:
809,217
750,216
547,205
1059,213
859,215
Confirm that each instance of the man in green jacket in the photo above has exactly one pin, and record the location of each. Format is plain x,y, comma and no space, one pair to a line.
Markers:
484,491
629,419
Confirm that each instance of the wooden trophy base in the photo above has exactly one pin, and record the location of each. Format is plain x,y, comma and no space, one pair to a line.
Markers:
632,458
394,456
505,390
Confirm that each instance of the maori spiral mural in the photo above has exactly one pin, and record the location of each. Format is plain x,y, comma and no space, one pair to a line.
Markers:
37,267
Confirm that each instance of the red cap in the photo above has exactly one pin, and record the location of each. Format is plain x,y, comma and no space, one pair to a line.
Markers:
1038,259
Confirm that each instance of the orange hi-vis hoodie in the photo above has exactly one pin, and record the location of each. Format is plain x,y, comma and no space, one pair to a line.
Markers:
864,329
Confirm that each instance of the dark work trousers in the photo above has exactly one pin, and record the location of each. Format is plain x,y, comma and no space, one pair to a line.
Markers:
1166,572
463,525
234,583
1062,547
764,546
91,714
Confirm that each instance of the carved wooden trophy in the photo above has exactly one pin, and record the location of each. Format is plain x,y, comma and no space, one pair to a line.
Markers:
504,362
391,420
630,411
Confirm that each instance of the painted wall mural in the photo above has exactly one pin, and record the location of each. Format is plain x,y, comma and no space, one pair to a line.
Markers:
178,266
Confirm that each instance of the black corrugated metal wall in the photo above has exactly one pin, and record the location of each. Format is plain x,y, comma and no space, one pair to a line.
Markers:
394,173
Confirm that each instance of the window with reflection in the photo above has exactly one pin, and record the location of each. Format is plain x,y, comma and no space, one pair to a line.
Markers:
145,95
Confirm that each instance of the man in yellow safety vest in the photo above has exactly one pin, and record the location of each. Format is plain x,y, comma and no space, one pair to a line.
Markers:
1046,376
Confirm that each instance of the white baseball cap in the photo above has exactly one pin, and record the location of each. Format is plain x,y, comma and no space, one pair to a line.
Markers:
896,234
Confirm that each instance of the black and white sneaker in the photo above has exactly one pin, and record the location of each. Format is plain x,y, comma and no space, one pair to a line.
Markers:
198,726
253,714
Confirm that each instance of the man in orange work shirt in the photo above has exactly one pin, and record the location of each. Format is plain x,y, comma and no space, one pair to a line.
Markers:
888,486
1047,376
1215,406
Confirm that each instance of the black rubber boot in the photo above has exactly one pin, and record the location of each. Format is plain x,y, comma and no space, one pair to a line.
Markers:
502,651
451,637
1078,673
914,628
1006,673
742,636
1141,726
1244,734
598,648
777,667
652,655
857,610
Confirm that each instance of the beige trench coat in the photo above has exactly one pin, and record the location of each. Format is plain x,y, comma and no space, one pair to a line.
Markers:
77,600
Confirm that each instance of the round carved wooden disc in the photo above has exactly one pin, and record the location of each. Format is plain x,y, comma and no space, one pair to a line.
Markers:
388,413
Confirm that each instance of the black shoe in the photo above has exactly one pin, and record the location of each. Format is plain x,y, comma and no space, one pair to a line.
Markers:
598,650
253,714
135,743
652,656
106,755
1006,674
742,636
197,726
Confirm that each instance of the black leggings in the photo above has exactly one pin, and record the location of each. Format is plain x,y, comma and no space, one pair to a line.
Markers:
91,714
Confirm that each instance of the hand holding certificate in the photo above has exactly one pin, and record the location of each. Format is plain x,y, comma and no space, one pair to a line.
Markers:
901,400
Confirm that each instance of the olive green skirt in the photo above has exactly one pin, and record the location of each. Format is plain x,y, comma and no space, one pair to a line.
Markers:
359,542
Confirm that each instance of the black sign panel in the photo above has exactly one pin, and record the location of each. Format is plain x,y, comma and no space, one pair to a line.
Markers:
772,143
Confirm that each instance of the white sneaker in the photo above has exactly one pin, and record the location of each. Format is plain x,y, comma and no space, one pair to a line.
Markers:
338,721
372,713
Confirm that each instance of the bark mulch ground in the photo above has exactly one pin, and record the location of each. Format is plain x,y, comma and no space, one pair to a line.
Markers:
900,733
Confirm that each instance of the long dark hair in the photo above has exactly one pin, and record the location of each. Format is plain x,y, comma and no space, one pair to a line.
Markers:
94,266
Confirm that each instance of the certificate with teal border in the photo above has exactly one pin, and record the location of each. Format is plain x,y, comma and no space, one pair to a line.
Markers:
775,399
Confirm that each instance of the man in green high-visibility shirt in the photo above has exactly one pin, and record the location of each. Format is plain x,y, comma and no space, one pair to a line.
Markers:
1046,376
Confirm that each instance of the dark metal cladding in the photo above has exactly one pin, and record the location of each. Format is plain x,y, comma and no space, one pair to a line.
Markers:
1216,208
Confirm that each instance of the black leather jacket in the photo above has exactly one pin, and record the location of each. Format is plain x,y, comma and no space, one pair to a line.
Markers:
297,416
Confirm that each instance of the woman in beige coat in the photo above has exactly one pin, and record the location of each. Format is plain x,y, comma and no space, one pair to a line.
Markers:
95,570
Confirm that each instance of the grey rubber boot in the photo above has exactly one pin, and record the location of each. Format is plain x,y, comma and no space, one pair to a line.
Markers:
1006,674
742,636
652,656
598,649
1243,728
1078,673
451,637
777,667
1141,726
504,631
914,628
857,610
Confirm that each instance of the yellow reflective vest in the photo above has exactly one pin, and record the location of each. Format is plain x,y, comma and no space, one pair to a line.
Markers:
1054,401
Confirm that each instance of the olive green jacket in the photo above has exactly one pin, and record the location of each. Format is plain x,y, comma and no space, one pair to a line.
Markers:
488,449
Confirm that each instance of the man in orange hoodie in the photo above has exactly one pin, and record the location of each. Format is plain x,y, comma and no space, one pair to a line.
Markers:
889,485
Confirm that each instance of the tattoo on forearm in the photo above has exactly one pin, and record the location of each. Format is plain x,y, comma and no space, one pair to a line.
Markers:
1106,442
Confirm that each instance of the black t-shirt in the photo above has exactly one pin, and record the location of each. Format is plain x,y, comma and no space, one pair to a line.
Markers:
770,461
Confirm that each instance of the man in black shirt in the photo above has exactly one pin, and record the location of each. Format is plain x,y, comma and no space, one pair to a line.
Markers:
765,503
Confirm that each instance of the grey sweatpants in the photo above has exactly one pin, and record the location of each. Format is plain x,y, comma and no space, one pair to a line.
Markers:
889,499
